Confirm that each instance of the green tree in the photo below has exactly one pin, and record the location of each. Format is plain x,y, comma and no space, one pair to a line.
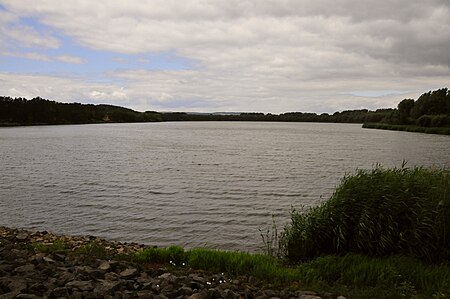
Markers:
404,110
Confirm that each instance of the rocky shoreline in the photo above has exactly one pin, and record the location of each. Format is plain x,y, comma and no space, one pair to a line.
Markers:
33,266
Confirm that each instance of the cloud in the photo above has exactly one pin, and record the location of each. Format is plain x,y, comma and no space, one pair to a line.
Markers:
27,55
41,57
119,60
271,56
194,90
70,59
12,30
65,89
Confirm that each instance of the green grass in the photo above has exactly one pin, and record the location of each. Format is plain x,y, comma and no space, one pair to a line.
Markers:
380,212
91,250
56,246
355,276
408,128
391,277
94,250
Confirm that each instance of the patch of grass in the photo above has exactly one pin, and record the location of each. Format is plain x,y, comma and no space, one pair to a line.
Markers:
95,250
56,246
234,263
380,212
172,255
355,276
399,277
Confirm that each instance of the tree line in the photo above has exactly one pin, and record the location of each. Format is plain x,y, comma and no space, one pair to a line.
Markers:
431,109
348,116
21,111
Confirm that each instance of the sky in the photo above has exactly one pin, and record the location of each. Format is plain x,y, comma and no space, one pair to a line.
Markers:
269,56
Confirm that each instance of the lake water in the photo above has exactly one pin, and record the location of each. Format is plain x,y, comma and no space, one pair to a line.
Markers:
193,184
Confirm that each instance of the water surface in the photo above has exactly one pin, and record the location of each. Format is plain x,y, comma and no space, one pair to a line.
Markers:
193,184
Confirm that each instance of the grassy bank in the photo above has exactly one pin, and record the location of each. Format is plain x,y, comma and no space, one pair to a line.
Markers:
384,233
355,276
408,128
351,275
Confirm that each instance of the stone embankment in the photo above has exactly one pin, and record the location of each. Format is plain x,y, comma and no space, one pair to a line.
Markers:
28,271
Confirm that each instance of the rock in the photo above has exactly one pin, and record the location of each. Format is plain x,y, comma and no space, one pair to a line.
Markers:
48,271
201,295
246,294
18,253
80,285
59,292
168,277
96,274
64,278
327,295
144,295
197,278
104,266
270,293
305,293
310,297
111,276
143,278
25,268
76,295
48,260
228,294
186,290
9,295
27,296
38,288
214,293
22,236
68,274
196,285
105,286
17,285
38,256
128,273
126,284
59,257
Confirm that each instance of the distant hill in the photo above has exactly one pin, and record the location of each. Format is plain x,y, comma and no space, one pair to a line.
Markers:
21,111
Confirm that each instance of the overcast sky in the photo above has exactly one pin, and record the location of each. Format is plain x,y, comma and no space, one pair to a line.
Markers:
225,55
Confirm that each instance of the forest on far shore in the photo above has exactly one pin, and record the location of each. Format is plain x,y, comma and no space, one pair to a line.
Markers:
431,109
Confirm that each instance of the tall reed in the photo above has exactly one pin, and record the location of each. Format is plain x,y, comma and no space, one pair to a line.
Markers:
379,212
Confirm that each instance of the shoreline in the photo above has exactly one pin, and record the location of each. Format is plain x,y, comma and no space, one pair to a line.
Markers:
39,264
408,128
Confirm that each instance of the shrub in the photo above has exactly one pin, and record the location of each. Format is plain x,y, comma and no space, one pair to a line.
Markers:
424,120
438,120
379,213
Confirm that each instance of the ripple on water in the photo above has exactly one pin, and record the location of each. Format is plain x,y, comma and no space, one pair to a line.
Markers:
191,184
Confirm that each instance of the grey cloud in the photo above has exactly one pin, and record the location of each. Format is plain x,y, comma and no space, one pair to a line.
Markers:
272,55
